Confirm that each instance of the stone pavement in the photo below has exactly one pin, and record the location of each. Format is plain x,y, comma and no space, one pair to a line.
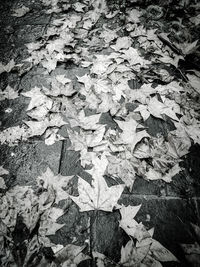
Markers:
169,207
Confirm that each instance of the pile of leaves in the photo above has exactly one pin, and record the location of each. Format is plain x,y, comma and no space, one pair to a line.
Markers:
128,76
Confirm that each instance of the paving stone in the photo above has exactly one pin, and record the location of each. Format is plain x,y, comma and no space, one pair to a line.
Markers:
17,112
35,77
76,229
187,183
36,12
142,186
27,161
28,34
106,236
171,218
70,163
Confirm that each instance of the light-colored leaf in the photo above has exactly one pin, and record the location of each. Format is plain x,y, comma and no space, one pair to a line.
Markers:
57,182
129,135
13,135
70,255
132,256
8,93
8,67
97,196
21,11
160,253
122,43
37,99
131,226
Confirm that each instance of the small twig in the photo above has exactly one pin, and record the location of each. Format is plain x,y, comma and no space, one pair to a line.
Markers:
172,46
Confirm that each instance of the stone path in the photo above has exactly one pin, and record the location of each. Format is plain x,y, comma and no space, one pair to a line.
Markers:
170,208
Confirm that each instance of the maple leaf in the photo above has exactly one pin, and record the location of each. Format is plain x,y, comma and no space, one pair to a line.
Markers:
194,82
119,90
97,196
195,20
86,80
129,135
160,253
62,79
133,57
2,182
49,62
129,225
100,64
8,67
39,127
85,139
13,135
51,136
70,255
58,88
169,60
102,86
132,256
141,94
20,12
8,93
79,7
123,169
122,43
108,104
157,109
146,246
57,182
153,174
86,122
188,48
134,15
38,98
48,224
108,35
169,88
95,138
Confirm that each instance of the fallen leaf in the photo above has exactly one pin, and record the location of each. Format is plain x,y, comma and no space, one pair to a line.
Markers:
100,64
39,127
8,93
195,82
131,226
57,182
123,169
86,122
2,182
48,224
70,255
129,135
38,98
13,135
157,109
132,256
21,11
8,67
152,174
52,136
133,57
160,253
97,196
195,20
122,43
134,15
